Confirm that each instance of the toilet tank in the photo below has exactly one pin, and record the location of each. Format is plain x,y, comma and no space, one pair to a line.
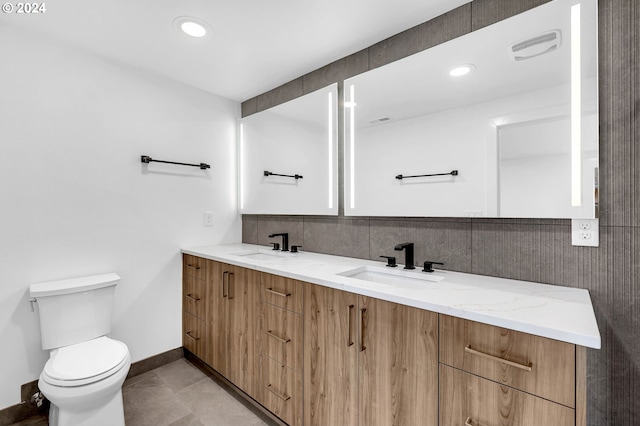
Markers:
74,310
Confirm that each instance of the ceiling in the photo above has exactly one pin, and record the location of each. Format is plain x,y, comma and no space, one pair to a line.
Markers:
254,45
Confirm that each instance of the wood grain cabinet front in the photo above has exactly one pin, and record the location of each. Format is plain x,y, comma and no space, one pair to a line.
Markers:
281,347
194,335
220,318
368,361
317,356
537,365
281,336
283,292
195,299
194,266
282,391
195,296
466,399
239,334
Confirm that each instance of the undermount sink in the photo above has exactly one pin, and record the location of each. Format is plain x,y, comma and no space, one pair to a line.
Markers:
392,276
260,254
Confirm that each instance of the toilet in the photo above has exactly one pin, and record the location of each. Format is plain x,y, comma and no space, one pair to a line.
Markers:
86,369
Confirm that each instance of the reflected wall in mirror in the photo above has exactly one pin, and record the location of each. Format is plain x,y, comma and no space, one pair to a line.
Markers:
288,157
512,107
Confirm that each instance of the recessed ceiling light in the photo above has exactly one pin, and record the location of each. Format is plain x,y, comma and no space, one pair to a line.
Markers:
461,70
193,27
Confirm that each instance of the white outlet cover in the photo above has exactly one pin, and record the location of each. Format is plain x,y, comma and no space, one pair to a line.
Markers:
585,232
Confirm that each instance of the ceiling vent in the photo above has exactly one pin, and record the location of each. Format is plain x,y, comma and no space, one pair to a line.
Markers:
535,46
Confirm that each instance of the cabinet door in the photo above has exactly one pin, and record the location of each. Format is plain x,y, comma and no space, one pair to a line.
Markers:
193,338
194,296
541,366
217,318
398,365
281,291
330,371
466,399
282,391
281,336
243,298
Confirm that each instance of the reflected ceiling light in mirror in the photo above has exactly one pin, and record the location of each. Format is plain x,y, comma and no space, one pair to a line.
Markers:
330,150
576,109
193,27
461,70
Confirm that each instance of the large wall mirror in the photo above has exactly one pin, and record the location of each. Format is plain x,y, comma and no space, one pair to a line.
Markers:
288,157
502,122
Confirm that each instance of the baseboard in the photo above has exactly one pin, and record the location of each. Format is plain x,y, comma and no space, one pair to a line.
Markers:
155,361
26,409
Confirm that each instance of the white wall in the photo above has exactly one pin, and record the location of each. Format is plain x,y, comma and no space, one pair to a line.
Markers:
76,200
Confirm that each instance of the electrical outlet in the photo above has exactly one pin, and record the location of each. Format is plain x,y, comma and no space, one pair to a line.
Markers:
584,232
207,218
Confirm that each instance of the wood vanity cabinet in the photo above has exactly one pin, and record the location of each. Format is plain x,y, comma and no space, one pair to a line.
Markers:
492,375
195,298
368,361
316,356
281,347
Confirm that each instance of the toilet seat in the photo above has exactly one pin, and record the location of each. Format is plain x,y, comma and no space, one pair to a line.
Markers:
85,363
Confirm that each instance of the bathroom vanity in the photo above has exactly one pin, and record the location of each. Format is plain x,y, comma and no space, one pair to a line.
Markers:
323,340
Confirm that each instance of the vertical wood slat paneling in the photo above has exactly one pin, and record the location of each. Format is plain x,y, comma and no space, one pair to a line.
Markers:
280,94
443,28
619,39
625,361
487,12
337,71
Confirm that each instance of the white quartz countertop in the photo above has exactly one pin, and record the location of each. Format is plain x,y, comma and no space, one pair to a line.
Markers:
556,312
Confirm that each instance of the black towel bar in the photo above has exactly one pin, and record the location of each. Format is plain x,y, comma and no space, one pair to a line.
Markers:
147,159
266,173
452,173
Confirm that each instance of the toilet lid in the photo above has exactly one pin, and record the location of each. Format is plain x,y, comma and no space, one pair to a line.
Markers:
85,362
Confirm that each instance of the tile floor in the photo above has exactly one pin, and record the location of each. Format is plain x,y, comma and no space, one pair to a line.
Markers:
179,394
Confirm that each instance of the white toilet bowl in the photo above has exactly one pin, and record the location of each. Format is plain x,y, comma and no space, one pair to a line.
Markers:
84,383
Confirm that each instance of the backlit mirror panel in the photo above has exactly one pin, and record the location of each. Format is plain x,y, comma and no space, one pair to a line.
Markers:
288,157
510,109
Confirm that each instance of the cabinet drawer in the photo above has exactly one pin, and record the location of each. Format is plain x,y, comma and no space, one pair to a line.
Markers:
193,335
281,291
193,266
537,365
281,335
282,391
194,296
466,399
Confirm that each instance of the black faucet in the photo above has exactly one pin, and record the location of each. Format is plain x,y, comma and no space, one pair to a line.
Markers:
408,254
285,240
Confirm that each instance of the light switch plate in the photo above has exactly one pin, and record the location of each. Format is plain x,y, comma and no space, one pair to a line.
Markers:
585,232
207,219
